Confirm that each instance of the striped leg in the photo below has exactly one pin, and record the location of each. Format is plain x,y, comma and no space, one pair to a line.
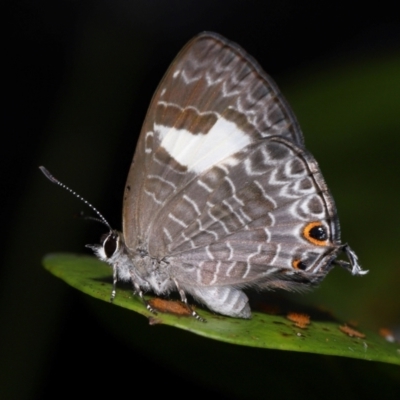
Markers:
184,300
115,280
138,291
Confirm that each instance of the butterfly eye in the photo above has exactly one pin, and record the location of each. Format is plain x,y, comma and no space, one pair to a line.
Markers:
110,244
316,233
104,237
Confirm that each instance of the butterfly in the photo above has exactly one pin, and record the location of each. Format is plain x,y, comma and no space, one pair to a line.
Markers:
222,195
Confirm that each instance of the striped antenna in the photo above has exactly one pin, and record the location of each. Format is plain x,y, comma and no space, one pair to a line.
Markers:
51,178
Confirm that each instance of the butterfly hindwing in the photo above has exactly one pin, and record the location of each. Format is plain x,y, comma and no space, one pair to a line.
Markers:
252,212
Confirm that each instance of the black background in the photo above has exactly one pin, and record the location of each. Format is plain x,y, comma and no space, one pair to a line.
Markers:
78,78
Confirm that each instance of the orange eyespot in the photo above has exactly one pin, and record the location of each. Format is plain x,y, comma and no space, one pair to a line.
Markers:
316,233
298,264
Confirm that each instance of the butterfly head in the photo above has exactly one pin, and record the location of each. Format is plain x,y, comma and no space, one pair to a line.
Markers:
110,247
112,244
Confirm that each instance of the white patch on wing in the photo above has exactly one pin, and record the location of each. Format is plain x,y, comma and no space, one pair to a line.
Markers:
230,250
249,257
200,152
148,149
216,273
230,269
193,203
264,193
166,231
270,271
177,220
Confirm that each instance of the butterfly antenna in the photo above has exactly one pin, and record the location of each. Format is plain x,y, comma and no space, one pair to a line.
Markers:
51,178
83,216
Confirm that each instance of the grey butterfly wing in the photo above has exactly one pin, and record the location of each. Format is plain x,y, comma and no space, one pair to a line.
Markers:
213,102
247,221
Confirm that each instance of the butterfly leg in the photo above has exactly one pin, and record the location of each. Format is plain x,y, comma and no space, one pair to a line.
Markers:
138,291
184,300
223,300
115,280
352,265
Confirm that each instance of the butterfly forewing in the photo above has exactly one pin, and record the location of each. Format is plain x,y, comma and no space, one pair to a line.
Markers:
213,102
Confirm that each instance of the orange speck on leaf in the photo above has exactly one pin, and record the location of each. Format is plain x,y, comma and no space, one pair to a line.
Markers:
387,334
351,332
300,320
169,306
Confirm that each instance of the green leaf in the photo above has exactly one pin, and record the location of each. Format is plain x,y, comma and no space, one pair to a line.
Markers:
93,277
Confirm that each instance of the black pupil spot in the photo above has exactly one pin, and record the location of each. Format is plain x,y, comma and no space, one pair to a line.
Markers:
110,245
318,233
301,265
